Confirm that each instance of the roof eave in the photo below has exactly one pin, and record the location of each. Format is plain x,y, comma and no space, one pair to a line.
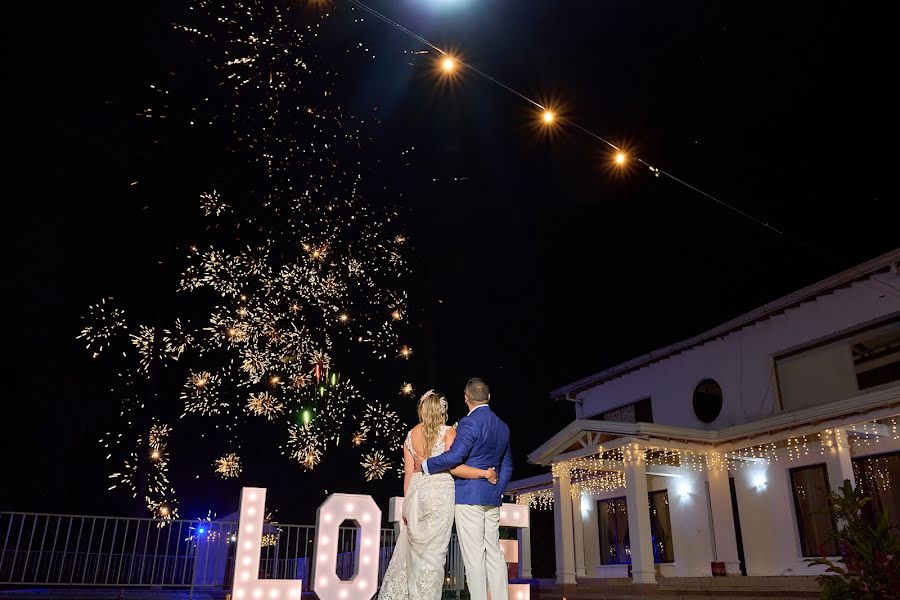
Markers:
866,270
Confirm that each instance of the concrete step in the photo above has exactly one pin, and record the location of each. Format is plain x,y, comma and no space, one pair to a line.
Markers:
686,588
752,583
616,593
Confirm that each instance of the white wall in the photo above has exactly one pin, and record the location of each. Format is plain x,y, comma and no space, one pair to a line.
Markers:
768,519
771,538
688,514
740,362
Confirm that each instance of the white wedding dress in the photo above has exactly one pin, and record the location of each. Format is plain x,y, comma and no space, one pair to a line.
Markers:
416,571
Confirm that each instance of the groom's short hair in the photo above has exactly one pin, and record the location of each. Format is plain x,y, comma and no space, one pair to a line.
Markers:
477,391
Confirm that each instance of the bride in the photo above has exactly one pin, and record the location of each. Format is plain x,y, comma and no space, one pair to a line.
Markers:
416,571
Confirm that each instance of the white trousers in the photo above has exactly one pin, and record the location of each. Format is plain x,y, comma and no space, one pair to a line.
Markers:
478,528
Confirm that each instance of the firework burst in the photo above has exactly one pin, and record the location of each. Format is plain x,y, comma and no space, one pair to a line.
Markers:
104,322
376,465
201,393
382,424
264,404
229,465
213,205
297,276
305,445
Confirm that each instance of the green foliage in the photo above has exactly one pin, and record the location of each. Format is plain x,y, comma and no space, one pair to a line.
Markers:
869,567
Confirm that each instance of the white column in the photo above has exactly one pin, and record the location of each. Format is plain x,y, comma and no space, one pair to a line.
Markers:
722,516
642,568
524,535
837,457
562,527
578,527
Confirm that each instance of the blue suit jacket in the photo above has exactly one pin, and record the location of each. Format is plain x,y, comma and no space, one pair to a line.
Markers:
482,441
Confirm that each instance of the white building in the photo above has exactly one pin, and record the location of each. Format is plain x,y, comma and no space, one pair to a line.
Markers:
734,437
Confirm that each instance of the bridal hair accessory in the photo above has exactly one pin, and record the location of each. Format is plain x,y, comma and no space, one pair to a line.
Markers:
442,400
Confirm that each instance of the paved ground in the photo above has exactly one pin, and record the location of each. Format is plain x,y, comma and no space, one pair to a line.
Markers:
106,594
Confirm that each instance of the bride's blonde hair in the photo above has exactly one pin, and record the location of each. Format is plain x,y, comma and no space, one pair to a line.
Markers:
432,411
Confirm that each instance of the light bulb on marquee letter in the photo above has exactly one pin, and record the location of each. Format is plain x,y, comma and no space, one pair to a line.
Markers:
247,583
335,510
514,515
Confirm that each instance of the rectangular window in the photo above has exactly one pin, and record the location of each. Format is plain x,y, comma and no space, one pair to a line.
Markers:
878,477
615,544
636,412
877,360
661,527
615,548
814,518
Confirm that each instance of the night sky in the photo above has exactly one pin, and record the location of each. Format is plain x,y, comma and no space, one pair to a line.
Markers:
535,263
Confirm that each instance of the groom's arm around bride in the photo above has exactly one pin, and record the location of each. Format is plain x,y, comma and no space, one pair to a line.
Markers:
482,441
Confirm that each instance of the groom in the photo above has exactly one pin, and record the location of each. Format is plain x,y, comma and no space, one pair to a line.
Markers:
482,441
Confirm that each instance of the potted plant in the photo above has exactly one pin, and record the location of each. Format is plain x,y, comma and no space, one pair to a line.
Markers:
868,568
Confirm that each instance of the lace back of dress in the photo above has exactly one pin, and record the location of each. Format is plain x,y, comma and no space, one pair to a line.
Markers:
409,445
439,442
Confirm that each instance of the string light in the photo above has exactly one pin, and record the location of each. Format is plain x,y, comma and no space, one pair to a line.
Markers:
549,117
538,499
601,472
620,158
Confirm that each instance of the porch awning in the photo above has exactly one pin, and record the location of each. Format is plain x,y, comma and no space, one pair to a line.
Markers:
586,437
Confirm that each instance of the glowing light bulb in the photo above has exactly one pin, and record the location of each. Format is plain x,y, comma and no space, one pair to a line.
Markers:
548,117
620,158
448,64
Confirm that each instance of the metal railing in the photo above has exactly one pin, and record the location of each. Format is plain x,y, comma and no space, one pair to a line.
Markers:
78,550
